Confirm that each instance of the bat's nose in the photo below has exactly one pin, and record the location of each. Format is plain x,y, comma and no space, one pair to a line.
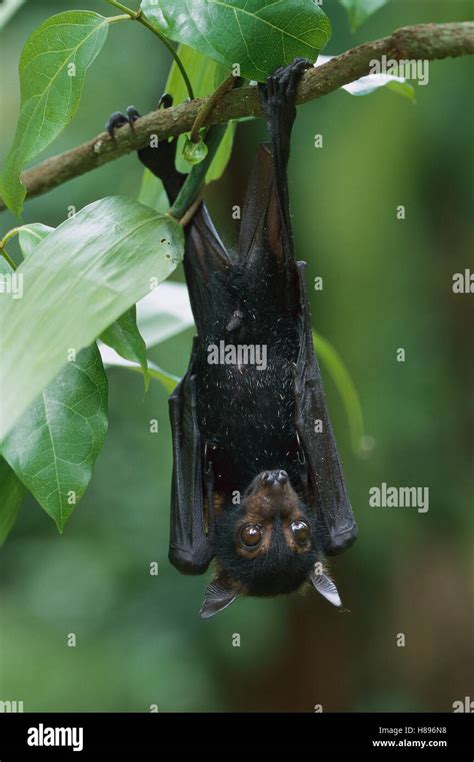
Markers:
274,478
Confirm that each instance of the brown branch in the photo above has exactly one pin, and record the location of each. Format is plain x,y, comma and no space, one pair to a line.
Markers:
424,41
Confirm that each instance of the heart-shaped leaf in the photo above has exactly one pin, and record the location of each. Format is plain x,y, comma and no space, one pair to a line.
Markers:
82,277
53,66
55,443
259,35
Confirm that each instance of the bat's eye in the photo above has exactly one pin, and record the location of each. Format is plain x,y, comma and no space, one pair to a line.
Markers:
300,532
251,535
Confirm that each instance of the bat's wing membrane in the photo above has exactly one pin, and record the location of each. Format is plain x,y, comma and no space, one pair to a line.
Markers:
190,550
326,486
261,233
207,266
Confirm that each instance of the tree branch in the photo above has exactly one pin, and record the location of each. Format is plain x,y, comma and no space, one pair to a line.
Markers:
424,41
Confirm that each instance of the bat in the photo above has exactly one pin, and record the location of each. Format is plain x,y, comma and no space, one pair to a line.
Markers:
257,482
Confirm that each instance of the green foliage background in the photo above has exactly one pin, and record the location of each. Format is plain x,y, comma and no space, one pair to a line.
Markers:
387,284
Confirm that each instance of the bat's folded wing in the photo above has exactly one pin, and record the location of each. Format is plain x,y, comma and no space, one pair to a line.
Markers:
190,551
327,492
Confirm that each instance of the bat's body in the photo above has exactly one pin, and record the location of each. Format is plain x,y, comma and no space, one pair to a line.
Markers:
246,407
257,481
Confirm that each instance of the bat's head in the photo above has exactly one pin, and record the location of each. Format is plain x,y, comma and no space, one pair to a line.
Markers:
266,546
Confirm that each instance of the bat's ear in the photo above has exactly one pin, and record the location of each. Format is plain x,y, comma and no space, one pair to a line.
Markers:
220,593
324,585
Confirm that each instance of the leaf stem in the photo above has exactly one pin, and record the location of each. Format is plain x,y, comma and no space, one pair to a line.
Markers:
123,17
209,105
4,254
11,233
138,16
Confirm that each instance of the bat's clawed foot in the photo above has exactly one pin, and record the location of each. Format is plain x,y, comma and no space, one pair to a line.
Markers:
281,86
285,80
117,119
278,94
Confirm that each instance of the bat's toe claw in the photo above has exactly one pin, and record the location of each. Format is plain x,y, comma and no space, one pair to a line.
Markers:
166,101
117,119
132,115
296,71
114,122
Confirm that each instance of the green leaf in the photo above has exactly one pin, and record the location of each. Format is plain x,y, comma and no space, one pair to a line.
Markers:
54,445
202,72
259,35
168,380
161,314
222,157
83,276
126,339
53,66
30,235
346,388
360,10
11,495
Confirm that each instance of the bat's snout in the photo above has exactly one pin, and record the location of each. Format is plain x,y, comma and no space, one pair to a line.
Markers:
274,478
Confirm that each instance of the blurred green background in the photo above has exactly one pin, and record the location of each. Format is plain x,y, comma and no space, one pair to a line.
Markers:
387,284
